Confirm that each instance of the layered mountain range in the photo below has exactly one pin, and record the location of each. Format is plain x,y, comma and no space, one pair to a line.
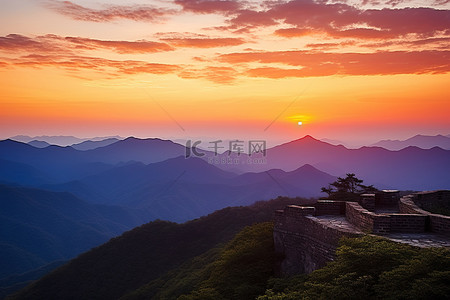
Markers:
59,201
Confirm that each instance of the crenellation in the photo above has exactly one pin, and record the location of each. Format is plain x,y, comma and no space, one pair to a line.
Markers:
329,207
367,201
294,210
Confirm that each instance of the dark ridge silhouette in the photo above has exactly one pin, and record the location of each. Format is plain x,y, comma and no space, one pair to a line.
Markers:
14,283
145,253
38,227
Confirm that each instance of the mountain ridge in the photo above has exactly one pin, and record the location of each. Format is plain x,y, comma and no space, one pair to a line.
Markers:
144,260
419,140
368,162
36,225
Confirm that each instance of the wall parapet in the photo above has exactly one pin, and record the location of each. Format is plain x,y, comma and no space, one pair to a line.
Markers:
307,236
304,241
384,223
429,200
295,210
329,207
435,222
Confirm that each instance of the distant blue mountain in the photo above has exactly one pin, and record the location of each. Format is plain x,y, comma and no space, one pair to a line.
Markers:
90,145
66,163
38,227
38,144
60,140
180,189
16,172
421,141
411,168
144,150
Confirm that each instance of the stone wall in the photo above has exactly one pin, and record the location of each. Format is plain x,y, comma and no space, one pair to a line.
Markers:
307,237
440,224
384,223
367,201
359,216
435,222
429,200
387,197
406,205
407,223
329,207
304,243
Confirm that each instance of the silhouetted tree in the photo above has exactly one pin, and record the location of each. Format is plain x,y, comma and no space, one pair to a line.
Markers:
348,188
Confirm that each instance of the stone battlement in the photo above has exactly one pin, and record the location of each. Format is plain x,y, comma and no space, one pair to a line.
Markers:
307,236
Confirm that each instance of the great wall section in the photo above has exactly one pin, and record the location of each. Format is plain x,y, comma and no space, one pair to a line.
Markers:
306,237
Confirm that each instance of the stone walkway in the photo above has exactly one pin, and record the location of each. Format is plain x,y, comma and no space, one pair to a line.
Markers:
423,240
337,222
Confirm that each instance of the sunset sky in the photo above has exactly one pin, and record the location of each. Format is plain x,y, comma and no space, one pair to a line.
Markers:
355,71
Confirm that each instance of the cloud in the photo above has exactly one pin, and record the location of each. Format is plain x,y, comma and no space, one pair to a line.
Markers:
57,44
108,13
341,20
329,46
436,43
210,6
252,18
112,68
86,68
395,3
424,22
294,32
64,52
312,63
441,2
277,73
142,46
17,42
222,75
204,42
338,19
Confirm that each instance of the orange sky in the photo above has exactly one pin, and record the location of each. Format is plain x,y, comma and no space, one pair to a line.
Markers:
225,69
